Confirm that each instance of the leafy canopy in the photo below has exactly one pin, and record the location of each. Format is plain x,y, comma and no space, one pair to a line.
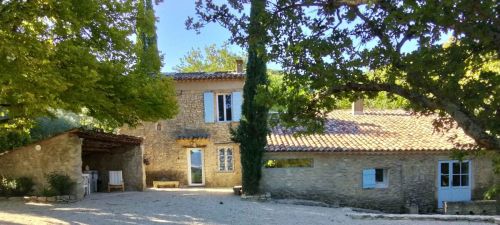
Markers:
78,56
327,47
210,59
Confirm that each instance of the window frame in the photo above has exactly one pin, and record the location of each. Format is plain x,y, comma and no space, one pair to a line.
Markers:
224,94
385,177
226,167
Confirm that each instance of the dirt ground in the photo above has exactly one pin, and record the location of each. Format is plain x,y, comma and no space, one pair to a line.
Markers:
181,206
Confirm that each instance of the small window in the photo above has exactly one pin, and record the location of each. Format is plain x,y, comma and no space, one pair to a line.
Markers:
158,126
225,159
375,178
224,106
288,163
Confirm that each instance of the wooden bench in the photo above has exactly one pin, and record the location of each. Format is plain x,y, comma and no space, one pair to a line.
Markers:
162,184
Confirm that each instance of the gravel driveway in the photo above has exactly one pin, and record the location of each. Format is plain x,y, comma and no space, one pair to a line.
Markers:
179,206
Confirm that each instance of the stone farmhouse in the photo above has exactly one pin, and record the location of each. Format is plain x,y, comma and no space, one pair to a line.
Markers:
388,160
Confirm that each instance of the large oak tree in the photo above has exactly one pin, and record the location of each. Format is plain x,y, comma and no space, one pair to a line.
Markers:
328,48
79,56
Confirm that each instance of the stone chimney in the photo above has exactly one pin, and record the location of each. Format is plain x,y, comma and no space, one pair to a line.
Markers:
357,107
239,66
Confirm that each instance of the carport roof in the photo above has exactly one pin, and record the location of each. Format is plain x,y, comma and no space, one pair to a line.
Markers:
95,141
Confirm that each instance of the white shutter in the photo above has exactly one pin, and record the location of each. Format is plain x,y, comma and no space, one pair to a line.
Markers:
369,178
208,102
236,107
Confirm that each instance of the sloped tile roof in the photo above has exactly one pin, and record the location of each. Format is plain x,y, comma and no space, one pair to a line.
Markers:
206,76
375,131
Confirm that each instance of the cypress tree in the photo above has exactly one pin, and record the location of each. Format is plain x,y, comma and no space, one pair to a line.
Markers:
252,131
148,56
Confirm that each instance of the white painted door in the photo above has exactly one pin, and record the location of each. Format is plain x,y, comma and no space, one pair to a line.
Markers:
196,173
454,181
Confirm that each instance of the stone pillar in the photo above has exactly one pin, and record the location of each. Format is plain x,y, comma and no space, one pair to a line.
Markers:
133,169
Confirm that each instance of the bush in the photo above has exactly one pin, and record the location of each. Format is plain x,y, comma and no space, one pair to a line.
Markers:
24,186
47,192
61,184
16,187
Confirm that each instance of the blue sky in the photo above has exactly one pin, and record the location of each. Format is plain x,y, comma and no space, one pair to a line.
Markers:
174,41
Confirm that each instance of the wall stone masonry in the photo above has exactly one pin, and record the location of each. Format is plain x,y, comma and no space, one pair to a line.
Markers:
168,157
483,207
336,178
61,153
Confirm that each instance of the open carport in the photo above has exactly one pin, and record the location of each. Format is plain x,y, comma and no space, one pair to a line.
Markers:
74,151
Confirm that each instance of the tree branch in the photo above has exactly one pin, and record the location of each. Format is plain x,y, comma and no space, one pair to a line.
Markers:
469,125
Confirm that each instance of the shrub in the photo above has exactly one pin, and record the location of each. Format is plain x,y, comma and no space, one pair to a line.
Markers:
24,186
15,187
61,184
47,192
6,186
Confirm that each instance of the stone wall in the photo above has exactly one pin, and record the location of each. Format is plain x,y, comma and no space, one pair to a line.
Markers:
336,178
129,160
484,207
168,156
61,153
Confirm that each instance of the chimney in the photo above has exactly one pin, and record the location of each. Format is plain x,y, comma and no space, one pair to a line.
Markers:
357,107
239,66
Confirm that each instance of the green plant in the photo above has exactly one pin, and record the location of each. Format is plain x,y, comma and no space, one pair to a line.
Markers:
61,184
23,186
6,186
47,192
15,187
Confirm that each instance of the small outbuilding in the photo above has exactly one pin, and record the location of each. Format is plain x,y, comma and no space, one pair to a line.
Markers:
385,160
75,151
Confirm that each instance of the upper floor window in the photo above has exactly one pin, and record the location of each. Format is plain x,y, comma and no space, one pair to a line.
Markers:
224,106
225,159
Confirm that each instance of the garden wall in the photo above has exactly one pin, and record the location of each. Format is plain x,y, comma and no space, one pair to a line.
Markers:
61,153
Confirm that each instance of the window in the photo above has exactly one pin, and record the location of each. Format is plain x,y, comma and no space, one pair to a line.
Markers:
454,173
224,105
225,159
158,126
460,176
375,178
288,163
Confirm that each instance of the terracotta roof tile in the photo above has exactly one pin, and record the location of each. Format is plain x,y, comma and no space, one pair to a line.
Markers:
393,130
206,76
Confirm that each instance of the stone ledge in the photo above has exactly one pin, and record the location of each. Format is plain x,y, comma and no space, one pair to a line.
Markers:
260,198
469,218
305,203
52,199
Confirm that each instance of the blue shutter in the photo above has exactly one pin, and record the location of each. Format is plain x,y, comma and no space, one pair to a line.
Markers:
369,178
236,107
208,100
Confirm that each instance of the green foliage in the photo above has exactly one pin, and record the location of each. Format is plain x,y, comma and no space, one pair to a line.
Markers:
252,130
211,59
61,184
326,49
47,192
16,187
77,56
10,139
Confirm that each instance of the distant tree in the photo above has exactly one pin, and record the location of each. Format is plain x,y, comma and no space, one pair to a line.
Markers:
77,56
210,59
252,130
